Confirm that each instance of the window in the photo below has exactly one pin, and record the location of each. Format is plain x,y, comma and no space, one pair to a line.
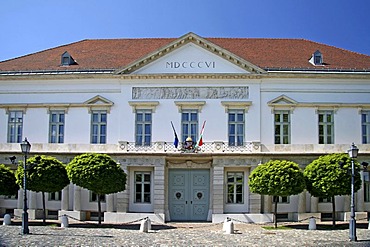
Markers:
326,127
15,126
142,187
235,192
56,129
324,200
281,199
98,127
143,127
365,120
236,127
282,127
189,124
55,196
94,197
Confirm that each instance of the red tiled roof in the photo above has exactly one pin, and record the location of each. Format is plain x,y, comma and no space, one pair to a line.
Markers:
117,53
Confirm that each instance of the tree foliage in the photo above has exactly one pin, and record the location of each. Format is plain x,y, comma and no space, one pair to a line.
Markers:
98,173
44,174
8,185
277,178
330,175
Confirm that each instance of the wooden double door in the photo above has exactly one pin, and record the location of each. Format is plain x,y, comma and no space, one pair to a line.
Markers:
188,197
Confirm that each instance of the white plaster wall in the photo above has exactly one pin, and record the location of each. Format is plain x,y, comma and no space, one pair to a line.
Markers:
304,126
3,126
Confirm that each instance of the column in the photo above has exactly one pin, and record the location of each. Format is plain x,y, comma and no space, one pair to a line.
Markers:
77,198
20,199
267,204
109,202
302,202
65,198
360,200
218,190
314,204
158,190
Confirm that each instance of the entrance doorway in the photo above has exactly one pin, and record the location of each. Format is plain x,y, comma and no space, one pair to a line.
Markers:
188,197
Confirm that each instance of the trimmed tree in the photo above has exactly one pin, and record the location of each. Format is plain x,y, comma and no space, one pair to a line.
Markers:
330,176
277,178
44,174
8,185
98,173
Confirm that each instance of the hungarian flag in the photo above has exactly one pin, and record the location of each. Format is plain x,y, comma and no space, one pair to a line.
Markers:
176,141
200,140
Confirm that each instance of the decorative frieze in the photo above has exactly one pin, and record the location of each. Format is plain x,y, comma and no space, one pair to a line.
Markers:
190,93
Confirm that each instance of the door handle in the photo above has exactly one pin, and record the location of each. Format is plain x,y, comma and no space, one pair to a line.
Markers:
191,202
186,202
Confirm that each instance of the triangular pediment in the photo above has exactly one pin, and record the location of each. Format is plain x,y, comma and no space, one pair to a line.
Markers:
99,100
282,100
191,54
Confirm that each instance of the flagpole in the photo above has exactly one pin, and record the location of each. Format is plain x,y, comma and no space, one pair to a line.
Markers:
201,135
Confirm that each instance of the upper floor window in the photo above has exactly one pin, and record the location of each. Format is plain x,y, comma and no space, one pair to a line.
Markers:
15,126
326,127
98,127
282,127
365,121
56,127
143,127
235,185
189,124
317,58
236,127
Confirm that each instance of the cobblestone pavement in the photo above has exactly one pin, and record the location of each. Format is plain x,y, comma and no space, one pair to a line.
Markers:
178,234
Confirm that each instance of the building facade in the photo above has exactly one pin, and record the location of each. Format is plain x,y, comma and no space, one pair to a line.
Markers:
242,102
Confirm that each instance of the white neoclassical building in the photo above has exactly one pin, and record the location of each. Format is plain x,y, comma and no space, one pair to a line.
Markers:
258,99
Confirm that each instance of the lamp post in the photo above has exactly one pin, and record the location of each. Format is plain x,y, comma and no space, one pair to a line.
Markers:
352,152
25,147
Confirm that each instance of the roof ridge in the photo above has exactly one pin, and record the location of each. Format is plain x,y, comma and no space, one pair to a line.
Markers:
336,47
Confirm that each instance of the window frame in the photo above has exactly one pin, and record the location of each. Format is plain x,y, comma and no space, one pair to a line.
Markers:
59,138
100,138
284,138
365,126
325,138
143,183
16,125
190,126
236,123
140,138
235,184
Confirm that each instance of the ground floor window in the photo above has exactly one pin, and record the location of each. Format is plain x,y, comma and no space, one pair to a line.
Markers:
281,199
235,191
142,187
55,196
94,197
324,200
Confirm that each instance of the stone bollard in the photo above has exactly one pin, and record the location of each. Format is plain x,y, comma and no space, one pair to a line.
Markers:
64,221
312,224
144,226
149,224
225,224
229,227
7,220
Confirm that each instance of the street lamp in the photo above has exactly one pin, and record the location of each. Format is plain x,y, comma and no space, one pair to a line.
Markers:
352,152
25,147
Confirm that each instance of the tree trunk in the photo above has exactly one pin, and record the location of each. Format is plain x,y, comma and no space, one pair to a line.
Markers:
275,210
99,209
43,209
333,216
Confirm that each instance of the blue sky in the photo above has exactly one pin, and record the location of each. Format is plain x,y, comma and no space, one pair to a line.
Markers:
32,26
